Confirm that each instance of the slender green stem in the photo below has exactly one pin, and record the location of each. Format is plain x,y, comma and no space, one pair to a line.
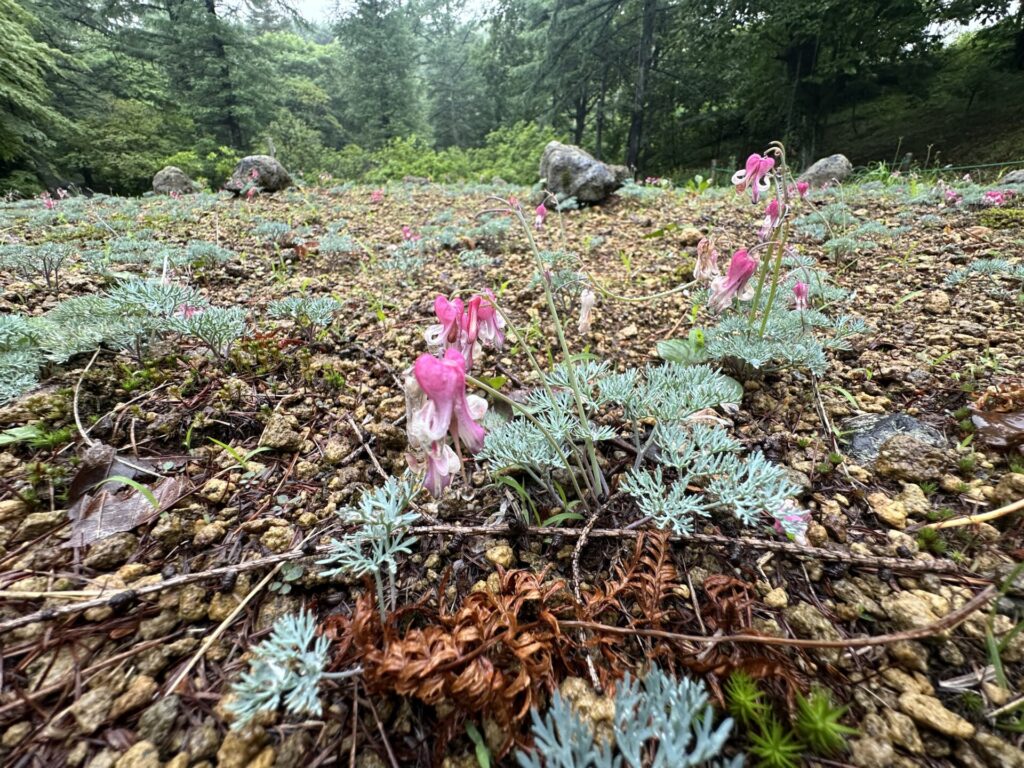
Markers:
638,299
776,272
533,420
574,383
521,339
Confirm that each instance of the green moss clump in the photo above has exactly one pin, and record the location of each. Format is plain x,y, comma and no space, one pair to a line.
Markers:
1002,218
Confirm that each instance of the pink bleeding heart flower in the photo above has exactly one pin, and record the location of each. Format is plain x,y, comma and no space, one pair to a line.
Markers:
250,194
725,288
440,463
953,197
772,218
186,311
706,268
491,325
802,188
408,235
377,196
801,295
998,196
513,202
448,408
446,332
48,201
540,215
754,176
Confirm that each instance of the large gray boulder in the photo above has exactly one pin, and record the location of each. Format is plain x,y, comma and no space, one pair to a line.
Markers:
569,171
1013,177
834,169
171,179
263,171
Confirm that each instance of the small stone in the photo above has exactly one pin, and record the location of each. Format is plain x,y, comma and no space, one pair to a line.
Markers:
201,742
1009,489
210,533
995,693
808,622
280,433
12,509
15,734
998,752
914,501
629,331
160,625
903,457
891,512
157,722
222,605
112,551
141,690
929,712
264,759
903,731
216,489
776,598
817,534
105,758
239,747
910,654
91,710
180,760
871,753
38,523
192,605
278,538
908,611
937,303
142,754
501,555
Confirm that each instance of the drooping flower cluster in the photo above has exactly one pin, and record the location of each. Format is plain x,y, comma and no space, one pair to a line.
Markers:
754,176
437,404
377,196
734,283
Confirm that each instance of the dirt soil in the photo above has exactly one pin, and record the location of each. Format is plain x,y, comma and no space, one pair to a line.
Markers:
181,592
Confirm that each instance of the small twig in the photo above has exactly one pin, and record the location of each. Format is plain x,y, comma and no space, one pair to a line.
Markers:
956,522
221,628
591,670
383,734
1006,707
949,621
362,443
893,563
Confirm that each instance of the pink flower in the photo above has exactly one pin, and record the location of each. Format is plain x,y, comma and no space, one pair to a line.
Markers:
448,408
440,463
254,174
445,333
377,196
491,323
801,295
772,218
587,301
541,214
953,197
723,289
802,188
706,269
175,194
48,201
998,196
185,311
62,193
792,522
250,194
513,201
408,235
754,176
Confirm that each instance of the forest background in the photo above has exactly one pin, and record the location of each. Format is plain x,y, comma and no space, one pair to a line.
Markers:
103,93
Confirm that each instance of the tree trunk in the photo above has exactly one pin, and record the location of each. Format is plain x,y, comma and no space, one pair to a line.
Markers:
232,128
581,119
599,122
645,56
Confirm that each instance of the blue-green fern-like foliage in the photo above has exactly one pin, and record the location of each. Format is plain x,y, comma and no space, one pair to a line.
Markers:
382,517
129,317
661,722
791,338
990,268
285,669
307,312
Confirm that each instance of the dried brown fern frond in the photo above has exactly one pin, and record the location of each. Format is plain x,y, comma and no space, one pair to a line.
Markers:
494,656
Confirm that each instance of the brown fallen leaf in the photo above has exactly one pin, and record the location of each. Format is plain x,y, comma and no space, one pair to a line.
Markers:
1000,430
105,513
